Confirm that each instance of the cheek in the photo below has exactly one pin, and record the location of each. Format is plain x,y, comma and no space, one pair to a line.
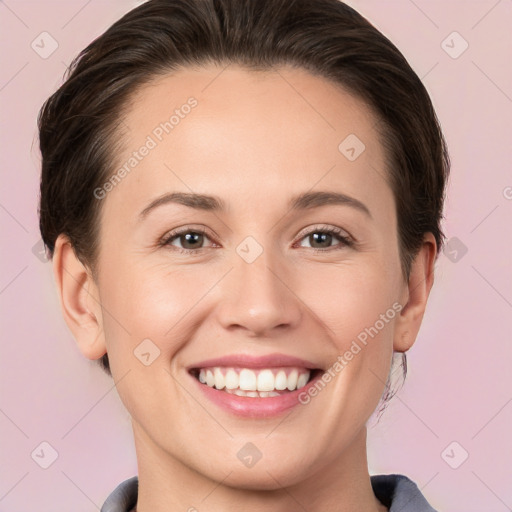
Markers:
145,326
144,303
350,297
357,305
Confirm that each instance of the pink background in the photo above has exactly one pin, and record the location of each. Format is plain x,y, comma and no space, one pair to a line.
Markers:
459,386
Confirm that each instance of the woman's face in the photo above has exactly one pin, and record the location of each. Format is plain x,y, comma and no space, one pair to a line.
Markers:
259,292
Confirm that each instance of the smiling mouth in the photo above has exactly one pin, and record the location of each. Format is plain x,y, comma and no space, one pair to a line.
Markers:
255,383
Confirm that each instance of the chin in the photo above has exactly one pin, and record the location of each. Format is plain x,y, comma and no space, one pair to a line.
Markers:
263,479
263,475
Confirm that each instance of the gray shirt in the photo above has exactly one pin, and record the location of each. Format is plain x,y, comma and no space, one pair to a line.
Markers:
397,492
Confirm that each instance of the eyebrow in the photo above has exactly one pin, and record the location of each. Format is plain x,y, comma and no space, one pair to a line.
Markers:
304,201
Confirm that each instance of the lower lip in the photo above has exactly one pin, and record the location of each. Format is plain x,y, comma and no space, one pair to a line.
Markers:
254,407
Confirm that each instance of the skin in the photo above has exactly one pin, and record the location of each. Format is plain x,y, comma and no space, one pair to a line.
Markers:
255,141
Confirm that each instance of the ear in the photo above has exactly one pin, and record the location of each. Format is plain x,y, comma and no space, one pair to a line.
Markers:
415,295
79,299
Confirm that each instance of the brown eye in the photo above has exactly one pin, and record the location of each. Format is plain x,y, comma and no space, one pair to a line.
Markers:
321,239
186,240
191,240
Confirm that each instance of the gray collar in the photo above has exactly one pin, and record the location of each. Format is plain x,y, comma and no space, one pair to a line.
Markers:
397,492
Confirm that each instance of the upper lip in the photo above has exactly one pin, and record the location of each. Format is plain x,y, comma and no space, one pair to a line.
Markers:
248,361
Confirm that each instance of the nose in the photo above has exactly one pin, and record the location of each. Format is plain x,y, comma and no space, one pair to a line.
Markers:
258,298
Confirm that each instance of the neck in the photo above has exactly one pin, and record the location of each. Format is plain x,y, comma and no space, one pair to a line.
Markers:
167,484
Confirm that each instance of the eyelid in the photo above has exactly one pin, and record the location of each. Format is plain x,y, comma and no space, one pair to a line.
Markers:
324,227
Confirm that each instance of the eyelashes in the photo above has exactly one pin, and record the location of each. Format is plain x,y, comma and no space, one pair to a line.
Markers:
189,235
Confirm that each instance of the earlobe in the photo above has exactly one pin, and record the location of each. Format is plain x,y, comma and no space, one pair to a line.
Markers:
421,279
79,299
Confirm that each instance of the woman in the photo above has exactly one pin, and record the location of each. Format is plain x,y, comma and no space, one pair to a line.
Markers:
242,200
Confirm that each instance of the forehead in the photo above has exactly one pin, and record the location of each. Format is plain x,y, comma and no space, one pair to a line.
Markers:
236,97
250,134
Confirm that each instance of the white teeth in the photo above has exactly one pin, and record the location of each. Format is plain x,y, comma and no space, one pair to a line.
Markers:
281,380
254,383
302,380
220,382
247,380
292,380
231,379
261,394
266,380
